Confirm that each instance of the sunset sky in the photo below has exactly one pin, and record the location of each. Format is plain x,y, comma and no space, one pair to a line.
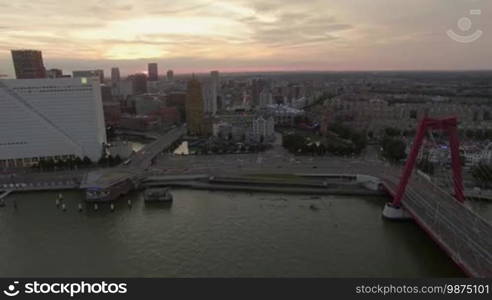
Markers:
246,35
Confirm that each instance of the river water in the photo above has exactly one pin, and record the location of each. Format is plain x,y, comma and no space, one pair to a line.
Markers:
213,234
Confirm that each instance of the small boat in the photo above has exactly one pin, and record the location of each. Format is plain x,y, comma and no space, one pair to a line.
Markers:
158,195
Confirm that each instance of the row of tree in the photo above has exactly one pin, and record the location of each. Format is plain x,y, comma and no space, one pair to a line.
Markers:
485,134
231,148
299,144
72,163
358,139
395,132
482,173
346,142
110,161
393,148
479,134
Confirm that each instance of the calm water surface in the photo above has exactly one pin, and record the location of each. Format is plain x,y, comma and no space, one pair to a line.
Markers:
213,234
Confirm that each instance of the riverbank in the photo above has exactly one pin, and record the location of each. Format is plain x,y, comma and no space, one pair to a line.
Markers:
273,184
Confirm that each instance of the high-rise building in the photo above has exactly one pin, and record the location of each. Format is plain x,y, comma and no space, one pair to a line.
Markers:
170,75
89,73
28,64
195,115
50,118
139,83
122,89
153,72
215,79
209,92
115,74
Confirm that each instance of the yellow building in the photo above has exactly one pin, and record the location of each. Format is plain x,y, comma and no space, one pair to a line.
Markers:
195,113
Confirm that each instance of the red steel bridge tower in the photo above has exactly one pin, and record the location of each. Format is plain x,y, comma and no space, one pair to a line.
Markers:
448,125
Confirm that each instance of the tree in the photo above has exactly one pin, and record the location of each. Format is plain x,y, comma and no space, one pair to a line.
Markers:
86,161
341,131
482,173
426,166
102,161
359,140
77,161
111,161
294,143
117,160
393,149
392,132
49,164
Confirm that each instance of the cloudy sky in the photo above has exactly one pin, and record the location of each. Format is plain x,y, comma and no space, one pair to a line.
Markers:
247,35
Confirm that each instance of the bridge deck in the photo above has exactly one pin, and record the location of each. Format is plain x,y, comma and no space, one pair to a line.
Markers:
138,162
464,235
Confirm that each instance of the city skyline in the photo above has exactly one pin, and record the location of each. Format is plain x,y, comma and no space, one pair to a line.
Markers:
245,36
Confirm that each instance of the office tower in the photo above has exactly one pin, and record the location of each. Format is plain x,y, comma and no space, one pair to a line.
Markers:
50,118
215,79
195,115
209,93
54,73
123,89
89,73
170,75
139,83
212,93
28,64
153,72
115,74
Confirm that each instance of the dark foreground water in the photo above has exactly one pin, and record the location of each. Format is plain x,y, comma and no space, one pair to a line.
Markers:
214,234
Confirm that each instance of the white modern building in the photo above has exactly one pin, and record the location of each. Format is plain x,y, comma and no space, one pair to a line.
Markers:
50,118
209,92
263,129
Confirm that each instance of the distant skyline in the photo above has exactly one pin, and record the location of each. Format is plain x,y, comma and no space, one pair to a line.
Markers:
246,35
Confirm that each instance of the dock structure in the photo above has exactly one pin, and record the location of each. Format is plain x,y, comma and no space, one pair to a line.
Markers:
132,172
